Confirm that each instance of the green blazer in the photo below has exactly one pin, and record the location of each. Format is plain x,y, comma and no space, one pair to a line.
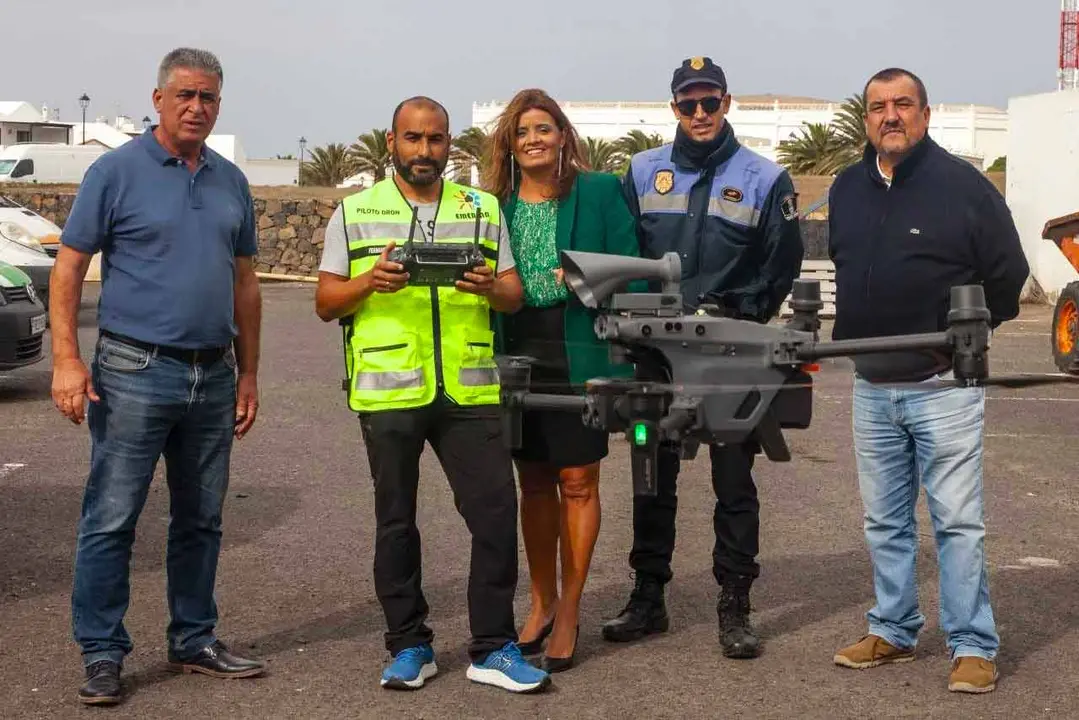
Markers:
593,217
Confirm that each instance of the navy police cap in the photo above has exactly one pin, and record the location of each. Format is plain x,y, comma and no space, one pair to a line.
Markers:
698,71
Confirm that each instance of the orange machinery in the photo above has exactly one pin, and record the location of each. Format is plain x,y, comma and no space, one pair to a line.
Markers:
1064,232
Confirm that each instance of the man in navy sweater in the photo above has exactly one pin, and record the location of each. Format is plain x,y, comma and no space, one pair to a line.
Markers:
907,223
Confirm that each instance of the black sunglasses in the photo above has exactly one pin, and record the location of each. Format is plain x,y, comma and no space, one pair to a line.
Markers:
689,107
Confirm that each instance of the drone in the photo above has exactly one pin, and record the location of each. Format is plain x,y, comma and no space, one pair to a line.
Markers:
724,380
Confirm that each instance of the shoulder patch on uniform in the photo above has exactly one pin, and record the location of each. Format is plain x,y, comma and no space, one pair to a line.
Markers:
789,206
731,193
663,181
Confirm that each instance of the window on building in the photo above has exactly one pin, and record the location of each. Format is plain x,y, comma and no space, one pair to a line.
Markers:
23,136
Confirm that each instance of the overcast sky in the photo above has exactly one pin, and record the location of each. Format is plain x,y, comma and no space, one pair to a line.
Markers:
332,70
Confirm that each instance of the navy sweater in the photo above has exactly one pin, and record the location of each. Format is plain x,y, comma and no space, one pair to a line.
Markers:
898,251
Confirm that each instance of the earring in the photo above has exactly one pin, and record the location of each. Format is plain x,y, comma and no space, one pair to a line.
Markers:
559,162
513,173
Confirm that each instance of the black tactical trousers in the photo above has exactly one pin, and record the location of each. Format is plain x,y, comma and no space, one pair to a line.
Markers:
468,443
736,518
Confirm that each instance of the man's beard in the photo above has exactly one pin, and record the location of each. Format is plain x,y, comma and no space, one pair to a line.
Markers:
405,170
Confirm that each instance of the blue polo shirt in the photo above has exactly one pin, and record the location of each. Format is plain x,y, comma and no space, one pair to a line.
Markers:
168,239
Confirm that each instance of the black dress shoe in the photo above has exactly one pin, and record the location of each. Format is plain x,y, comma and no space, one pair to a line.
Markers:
215,660
559,664
102,686
532,647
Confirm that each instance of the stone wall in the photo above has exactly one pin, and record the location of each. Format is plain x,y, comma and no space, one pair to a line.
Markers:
291,234
292,221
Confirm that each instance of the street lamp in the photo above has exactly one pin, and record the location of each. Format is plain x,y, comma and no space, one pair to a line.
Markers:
299,175
84,102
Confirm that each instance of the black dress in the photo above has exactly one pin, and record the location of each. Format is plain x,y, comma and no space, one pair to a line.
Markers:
556,437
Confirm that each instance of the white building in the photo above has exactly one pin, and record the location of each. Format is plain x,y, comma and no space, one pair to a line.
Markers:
1043,178
21,122
761,122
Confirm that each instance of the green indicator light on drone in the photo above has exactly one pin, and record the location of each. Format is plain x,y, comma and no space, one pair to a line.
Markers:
640,434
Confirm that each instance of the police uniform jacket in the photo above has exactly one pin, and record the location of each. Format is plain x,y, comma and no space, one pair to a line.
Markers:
732,219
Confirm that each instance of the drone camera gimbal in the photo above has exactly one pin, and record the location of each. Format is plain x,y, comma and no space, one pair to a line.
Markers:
705,377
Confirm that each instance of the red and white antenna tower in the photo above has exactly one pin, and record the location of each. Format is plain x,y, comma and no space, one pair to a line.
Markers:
1068,73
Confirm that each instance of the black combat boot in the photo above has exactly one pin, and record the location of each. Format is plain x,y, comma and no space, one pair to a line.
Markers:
644,614
736,635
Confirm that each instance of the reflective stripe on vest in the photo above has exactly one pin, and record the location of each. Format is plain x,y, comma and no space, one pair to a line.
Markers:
401,348
737,194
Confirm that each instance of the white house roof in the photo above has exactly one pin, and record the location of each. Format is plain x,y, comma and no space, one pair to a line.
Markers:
20,112
99,132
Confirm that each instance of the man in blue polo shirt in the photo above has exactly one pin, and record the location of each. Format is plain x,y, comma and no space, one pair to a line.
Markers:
174,368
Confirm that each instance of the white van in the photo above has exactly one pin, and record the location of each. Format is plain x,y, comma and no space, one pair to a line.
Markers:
47,163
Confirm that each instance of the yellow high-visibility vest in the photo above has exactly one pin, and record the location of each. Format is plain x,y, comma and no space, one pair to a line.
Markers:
403,348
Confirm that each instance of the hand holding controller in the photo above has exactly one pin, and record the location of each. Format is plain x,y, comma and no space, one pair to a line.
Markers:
479,281
388,275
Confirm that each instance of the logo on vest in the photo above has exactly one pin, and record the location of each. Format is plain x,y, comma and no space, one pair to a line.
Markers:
663,181
467,200
377,211
732,193
789,207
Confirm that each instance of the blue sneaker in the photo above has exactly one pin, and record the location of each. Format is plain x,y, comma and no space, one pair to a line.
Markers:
508,669
410,668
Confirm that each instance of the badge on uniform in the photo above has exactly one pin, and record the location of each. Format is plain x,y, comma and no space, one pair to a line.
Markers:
663,181
731,193
789,206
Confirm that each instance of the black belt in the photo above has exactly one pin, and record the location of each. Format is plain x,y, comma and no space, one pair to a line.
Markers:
202,356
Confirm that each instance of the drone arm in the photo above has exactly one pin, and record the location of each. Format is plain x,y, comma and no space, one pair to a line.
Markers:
543,401
864,346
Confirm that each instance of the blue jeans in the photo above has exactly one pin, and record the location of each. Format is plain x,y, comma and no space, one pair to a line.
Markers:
152,405
905,438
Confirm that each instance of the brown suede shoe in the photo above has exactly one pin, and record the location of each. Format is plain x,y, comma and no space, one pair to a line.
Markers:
973,675
871,651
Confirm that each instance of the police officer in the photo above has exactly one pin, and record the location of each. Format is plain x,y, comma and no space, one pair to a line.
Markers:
420,368
731,215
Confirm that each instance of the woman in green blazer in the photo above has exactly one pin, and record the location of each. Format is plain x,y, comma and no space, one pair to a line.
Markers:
552,204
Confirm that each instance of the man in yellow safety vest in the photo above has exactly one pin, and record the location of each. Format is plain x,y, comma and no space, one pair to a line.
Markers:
420,368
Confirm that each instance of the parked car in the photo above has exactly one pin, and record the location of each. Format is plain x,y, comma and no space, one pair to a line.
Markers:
25,238
22,319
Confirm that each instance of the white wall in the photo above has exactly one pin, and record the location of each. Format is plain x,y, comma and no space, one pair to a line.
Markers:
38,133
1043,178
268,172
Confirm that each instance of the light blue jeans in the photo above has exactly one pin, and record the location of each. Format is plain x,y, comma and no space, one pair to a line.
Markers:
904,439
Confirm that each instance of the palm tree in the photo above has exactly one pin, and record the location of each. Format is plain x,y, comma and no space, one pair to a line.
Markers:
814,150
636,141
469,150
849,124
601,155
371,154
329,166
633,142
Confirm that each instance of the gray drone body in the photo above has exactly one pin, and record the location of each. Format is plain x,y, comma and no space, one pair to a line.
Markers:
702,377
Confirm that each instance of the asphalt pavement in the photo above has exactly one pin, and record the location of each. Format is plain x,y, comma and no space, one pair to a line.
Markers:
295,584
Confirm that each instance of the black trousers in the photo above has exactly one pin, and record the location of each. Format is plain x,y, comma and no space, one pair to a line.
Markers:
736,518
468,443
